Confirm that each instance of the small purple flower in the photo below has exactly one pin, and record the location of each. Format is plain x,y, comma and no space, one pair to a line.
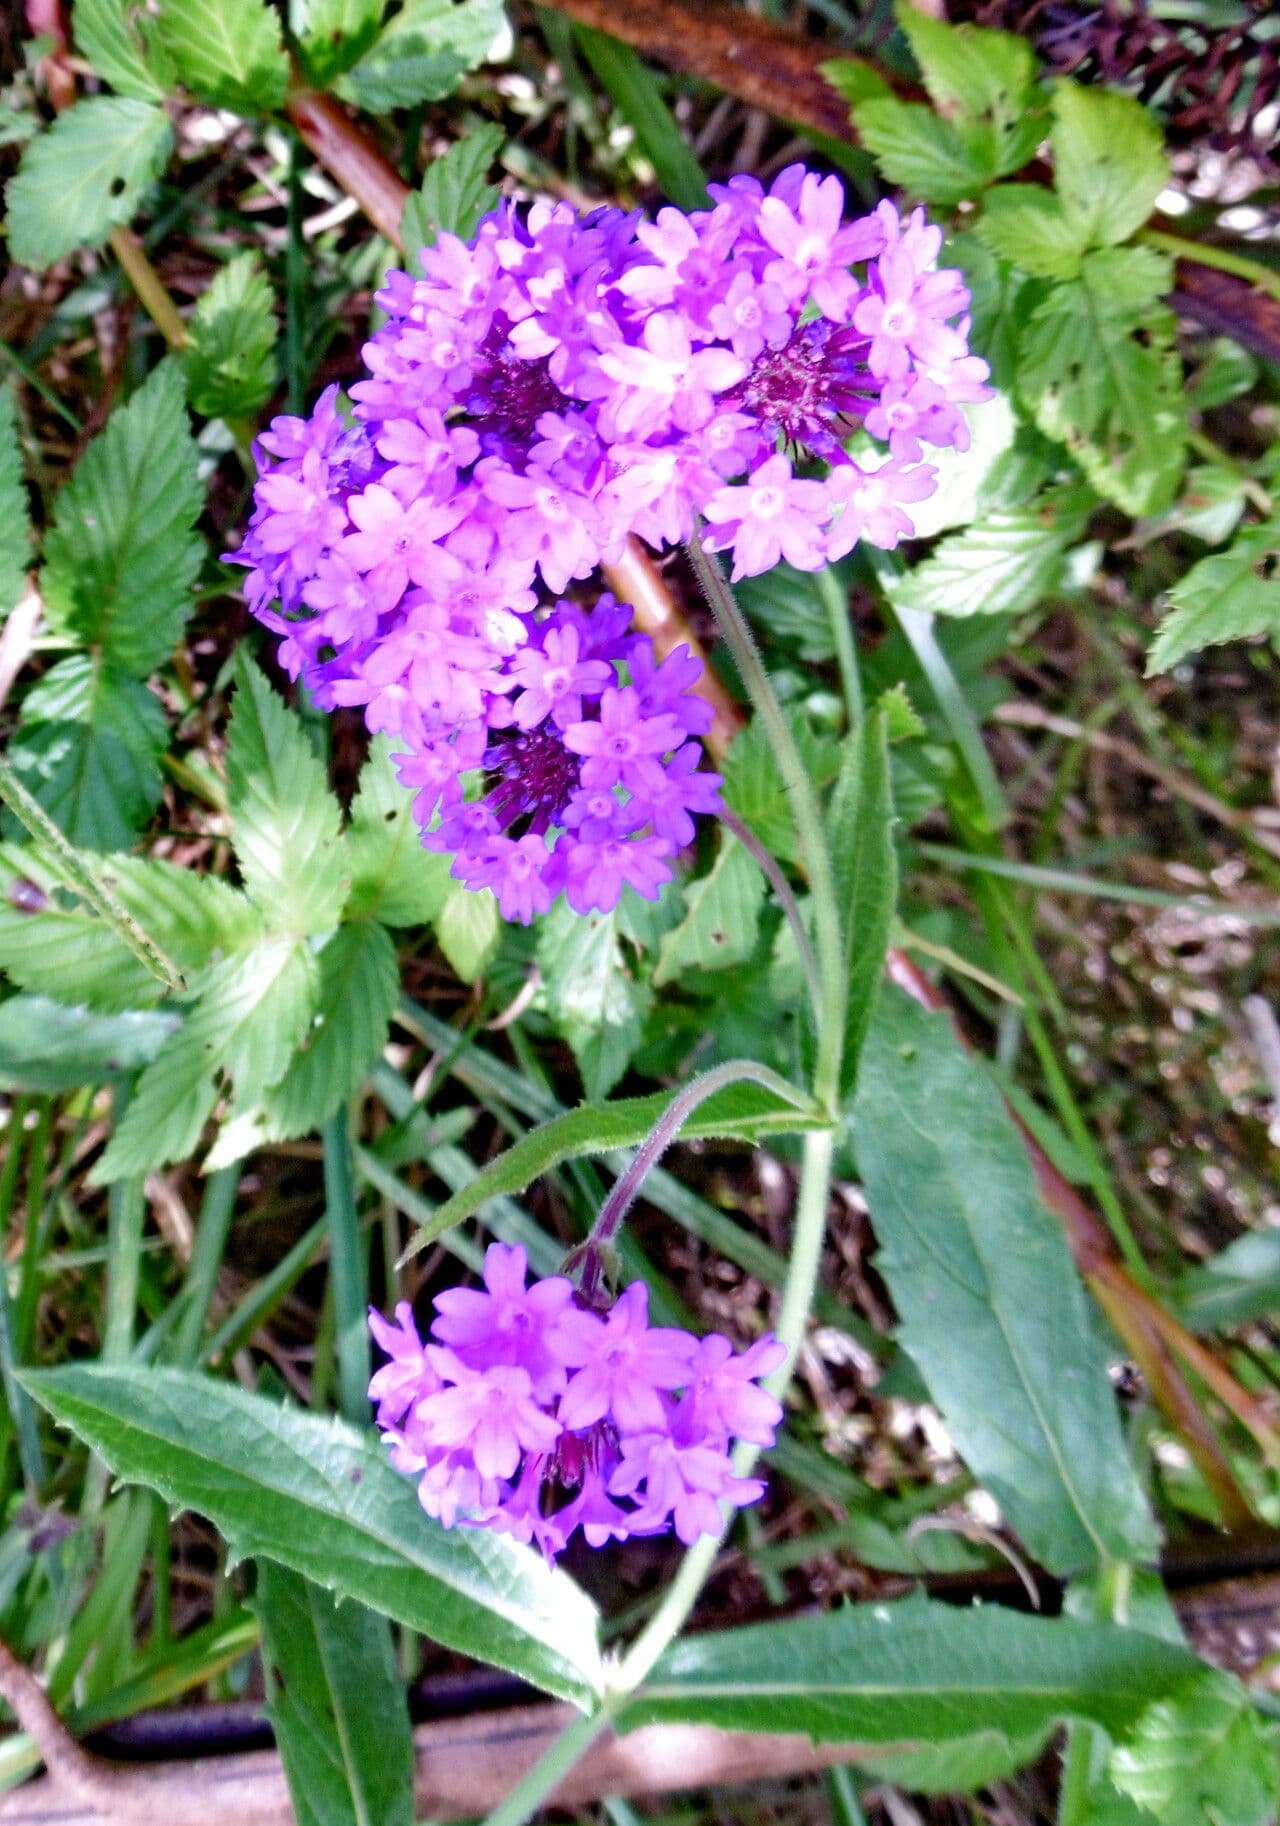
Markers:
509,1322
770,516
491,1412
620,1364
683,1485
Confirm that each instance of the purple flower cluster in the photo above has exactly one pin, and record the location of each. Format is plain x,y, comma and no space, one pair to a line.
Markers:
542,394
529,1414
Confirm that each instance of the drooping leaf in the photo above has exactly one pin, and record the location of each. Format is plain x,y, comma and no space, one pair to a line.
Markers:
15,520
742,1112
991,1309
455,192
423,51
284,820
591,993
1030,226
336,1704
84,175
722,917
230,366
1109,161
1202,1758
89,748
334,34
322,1499
393,879
47,1047
1230,596
122,556
860,826
106,32
248,1016
469,929
1003,564
229,53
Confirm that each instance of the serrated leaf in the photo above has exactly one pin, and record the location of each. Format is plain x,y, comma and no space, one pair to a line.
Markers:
106,33
230,366
722,917
336,1704
359,982
53,943
741,1112
753,785
249,1014
393,879
454,194
468,928
983,80
321,1498
865,865
1204,1758
1099,371
916,1673
423,52
49,1048
916,148
1109,161
1231,596
15,519
284,820
1002,565
89,749
1031,227
592,996
334,34
122,556
991,1309
84,175
228,53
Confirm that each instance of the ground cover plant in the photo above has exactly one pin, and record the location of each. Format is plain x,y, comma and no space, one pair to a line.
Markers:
637,907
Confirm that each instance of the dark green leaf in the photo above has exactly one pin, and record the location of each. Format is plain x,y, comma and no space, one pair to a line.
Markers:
1203,1758
336,1704
334,34
230,366
106,32
229,53
1002,565
990,1306
321,1499
1109,161
423,51
393,879
785,605
722,917
860,826
998,292
1231,596
455,192
592,995
122,556
84,176
46,1047
15,520
89,748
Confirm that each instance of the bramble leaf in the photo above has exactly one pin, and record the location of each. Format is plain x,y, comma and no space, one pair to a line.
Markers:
230,367
393,879
423,51
334,34
228,53
107,32
594,1000
1202,1758
1001,565
1230,596
1109,161
454,194
85,175
1030,227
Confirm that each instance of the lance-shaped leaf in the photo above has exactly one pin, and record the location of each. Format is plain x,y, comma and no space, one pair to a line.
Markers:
865,865
991,1309
321,1499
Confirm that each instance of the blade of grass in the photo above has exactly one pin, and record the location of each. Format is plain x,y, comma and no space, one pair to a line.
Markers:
1067,881
918,628
265,1295
348,1276
635,93
206,1259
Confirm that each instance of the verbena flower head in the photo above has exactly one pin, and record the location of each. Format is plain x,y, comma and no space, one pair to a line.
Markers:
541,394
529,1414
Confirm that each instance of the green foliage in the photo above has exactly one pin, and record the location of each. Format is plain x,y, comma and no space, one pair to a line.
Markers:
393,879
334,34
635,93
108,33
85,175
1031,228
322,1500
469,930
45,1047
1202,1758
1109,162
990,1306
230,367
1230,596
860,828
595,999
721,922
228,53
1239,1283
15,521
455,192
336,1705
422,52
1003,564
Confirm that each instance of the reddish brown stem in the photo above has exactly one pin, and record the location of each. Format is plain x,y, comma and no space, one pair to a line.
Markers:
351,157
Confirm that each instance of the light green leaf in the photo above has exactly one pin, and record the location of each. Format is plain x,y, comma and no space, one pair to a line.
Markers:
468,929
454,194
122,555
967,479
754,788
1239,1283
916,148
1109,161
913,1674
46,1047
393,879
991,1309
1030,227
1231,596
89,749
424,50
334,34
1203,1758
106,32
15,519
84,175
742,1112
336,1704
722,917
1003,564
592,996
229,53
321,1499
985,81
1210,506
359,982
1099,371
230,366
249,1014
284,820
860,826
